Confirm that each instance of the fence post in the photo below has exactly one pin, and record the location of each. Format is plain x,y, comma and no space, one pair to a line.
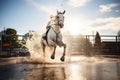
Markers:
116,38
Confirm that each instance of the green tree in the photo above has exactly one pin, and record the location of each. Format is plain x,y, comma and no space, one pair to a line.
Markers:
10,36
97,41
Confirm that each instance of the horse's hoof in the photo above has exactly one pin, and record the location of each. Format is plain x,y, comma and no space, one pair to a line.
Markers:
52,57
62,58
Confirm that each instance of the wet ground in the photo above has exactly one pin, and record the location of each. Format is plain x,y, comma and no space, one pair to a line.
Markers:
77,68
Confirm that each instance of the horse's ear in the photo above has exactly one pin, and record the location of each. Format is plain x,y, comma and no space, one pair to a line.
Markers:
64,12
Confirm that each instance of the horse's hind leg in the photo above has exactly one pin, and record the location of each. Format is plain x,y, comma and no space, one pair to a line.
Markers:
63,56
53,55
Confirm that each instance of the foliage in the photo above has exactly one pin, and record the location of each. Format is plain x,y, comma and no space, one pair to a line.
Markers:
97,41
10,36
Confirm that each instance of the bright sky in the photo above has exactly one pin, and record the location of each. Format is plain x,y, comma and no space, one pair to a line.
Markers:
82,16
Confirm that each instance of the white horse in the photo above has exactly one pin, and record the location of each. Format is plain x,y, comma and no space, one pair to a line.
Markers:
54,36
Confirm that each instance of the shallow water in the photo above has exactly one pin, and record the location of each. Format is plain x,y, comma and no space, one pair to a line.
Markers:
78,68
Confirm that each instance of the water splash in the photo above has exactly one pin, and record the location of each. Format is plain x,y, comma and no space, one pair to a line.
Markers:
34,47
33,43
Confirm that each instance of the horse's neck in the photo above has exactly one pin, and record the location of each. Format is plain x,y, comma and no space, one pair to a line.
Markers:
56,28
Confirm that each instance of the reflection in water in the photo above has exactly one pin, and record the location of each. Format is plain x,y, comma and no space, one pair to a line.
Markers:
47,73
81,70
101,71
76,72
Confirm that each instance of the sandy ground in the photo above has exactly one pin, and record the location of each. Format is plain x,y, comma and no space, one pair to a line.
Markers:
78,68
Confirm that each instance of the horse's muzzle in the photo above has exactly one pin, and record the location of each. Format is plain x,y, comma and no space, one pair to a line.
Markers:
61,25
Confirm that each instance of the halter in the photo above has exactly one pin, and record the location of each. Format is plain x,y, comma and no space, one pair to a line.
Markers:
58,21
61,25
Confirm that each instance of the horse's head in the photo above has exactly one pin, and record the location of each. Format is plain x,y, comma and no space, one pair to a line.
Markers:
54,20
60,18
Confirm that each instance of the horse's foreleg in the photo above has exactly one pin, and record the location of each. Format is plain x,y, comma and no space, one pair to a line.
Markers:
53,44
53,54
63,56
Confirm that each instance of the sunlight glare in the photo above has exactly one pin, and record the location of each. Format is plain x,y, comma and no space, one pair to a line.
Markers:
74,27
